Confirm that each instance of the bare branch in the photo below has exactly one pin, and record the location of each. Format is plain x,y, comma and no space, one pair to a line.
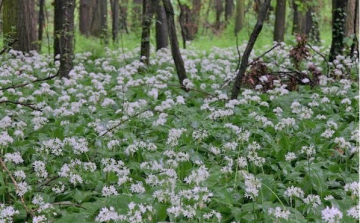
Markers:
3,165
22,104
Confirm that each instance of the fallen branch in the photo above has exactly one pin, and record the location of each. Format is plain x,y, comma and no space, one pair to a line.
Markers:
22,104
266,52
25,84
3,165
116,126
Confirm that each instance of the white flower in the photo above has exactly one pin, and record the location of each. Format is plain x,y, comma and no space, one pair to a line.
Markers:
39,168
107,215
353,188
331,215
294,192
188,84
13,157
108,191
328,133
313,200
5,139
137,188
353,212
279,213
328,197
22,188
290,156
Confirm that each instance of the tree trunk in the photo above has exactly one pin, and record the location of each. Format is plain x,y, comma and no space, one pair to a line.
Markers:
280,18
352,23
41,21
299,21
115,19
240,16
189,19
145,36
99,20
218,10
64,35
338,28
175,51
161,27
20,24
123,15
314,29
85,15
229,7
245,57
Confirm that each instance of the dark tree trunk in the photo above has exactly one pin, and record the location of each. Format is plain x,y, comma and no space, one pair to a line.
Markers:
85,15
41,22
280,18
123,15
161,27
189,19
20,24
64,35
299,20
99,20
313,24
145,36
229,7
338,28
179,63
218,11
240,16
115,19
245,57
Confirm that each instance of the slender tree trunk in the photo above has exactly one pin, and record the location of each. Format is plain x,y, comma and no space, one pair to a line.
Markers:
189,19
218,10
41,22
20,24
161,28
240,16
145,36
338,28
85,15
115,19
179,63
245,57
64,35
314,29
299,21
229,7
99,20
123,15
280,18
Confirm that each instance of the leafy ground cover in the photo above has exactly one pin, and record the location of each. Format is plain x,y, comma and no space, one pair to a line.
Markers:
112,144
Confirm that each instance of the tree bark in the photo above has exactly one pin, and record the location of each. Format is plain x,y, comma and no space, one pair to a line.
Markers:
218,10
189,19
145,36
229,7
240,16
161,29
99,21
41,21
245,57
123,15
352,23
85,15
299,20
179,63
64,35
20,23
338,28
115,18
280,19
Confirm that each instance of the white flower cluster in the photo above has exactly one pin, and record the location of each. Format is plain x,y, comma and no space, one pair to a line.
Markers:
7,213
174,135
331,215
252,185
278,213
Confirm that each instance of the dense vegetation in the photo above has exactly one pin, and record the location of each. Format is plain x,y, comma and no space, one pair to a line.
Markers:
112,144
